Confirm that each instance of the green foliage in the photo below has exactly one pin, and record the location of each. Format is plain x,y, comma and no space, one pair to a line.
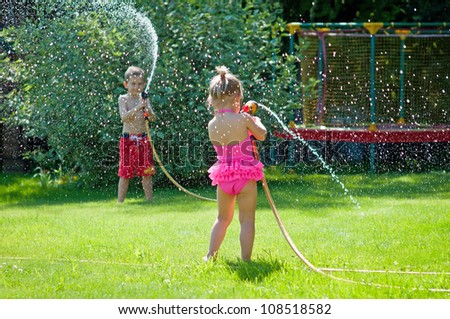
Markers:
194,39
73,59
364,11
74,55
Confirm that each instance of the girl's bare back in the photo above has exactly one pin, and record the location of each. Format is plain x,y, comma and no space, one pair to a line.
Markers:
228,129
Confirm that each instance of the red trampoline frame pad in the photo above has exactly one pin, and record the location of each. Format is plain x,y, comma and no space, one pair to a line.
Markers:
435,135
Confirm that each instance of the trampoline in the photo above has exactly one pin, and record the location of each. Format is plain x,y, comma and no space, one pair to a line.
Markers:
372,83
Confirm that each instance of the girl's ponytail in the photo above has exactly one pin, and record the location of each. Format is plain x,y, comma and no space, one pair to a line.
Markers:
224,83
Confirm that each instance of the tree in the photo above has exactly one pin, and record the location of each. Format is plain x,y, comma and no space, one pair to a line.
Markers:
364,11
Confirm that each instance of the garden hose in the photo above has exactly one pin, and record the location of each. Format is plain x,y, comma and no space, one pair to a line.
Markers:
155,154
303,258
251,107
278,218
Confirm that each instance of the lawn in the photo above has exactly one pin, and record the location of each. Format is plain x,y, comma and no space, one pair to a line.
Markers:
64,242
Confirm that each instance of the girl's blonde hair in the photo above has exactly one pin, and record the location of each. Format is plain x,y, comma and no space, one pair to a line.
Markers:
224,84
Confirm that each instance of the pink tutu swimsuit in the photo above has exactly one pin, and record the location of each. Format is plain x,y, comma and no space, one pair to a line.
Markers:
235,166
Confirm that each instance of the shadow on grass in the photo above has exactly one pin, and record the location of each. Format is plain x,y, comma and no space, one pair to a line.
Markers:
24,190
254,271
321,191
289,191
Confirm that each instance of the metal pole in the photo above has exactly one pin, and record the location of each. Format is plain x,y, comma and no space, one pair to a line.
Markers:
402,78
272,143
350,25
320,77
372,126
372,83
291,142
373,29
402,33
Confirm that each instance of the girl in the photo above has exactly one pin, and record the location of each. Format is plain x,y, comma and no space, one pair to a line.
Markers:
236,171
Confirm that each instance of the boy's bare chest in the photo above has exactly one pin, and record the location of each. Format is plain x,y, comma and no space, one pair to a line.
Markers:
131,103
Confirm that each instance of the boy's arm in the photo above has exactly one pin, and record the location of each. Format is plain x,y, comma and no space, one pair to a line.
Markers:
151,113
126,115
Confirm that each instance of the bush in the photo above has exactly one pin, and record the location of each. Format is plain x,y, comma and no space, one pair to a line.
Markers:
74,55
194,39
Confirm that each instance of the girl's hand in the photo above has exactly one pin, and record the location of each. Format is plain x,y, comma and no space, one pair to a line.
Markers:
255,126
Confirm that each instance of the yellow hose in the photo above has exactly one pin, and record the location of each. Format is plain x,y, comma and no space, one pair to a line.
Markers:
278,219
155,154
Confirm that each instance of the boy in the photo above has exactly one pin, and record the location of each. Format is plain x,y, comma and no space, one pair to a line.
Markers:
136,157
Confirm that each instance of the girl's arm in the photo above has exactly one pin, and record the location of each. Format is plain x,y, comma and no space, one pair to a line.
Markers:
256,127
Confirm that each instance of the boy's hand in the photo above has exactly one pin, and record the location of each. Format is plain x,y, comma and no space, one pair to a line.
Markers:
148,112
141,107
149,115
144,104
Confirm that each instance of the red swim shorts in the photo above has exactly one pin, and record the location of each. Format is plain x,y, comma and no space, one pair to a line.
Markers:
136,156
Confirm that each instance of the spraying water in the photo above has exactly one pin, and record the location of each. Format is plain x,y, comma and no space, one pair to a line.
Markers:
76,52
314,151
147,43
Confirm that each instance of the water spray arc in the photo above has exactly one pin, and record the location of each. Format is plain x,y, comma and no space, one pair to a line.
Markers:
252,107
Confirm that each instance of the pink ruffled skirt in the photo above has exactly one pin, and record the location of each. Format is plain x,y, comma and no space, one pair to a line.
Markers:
233,176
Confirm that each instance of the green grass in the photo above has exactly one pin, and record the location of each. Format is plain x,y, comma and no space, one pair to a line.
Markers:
69,243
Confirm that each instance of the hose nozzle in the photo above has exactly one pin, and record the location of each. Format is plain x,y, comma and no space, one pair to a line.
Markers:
251,107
